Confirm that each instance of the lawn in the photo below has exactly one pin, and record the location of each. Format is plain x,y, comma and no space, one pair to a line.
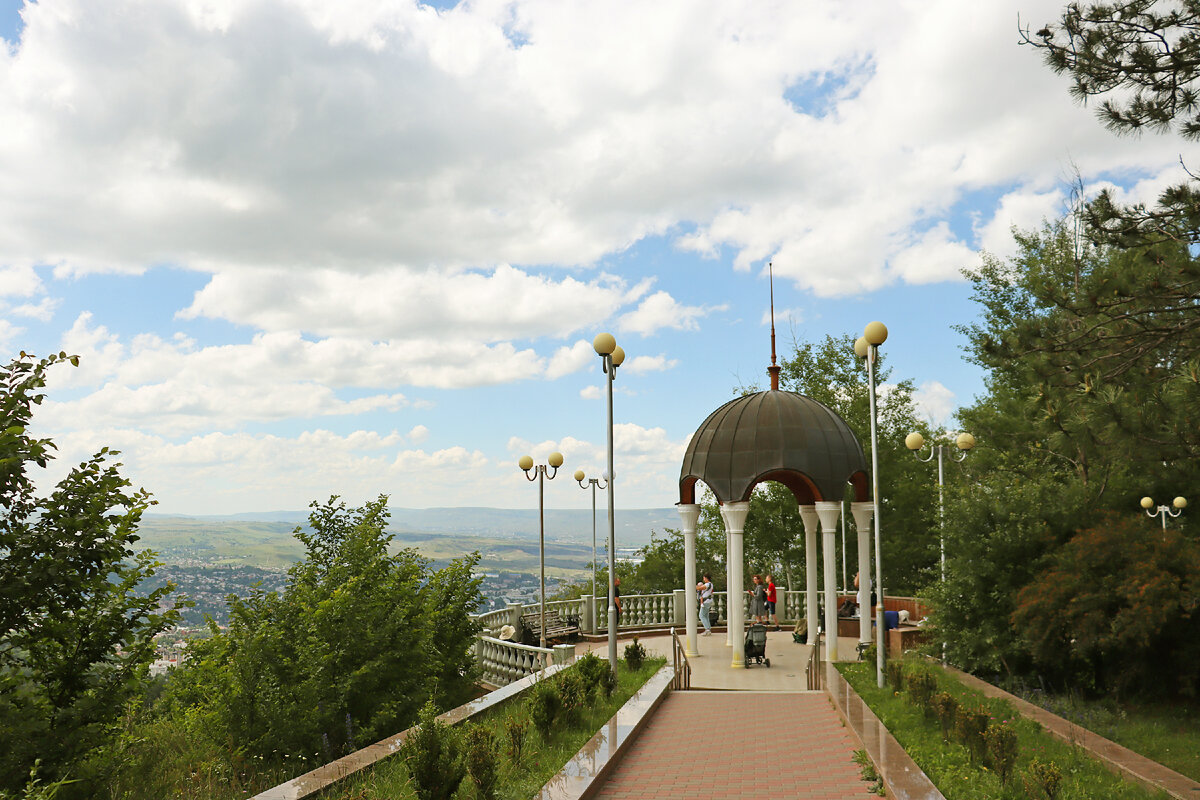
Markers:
541,759
949,765
1168,734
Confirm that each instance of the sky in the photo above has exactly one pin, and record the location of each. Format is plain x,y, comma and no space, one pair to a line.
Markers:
306,248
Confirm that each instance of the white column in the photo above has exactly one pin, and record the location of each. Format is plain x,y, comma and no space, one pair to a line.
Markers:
829,513
808,515
689,514
862,520
734,515
728,584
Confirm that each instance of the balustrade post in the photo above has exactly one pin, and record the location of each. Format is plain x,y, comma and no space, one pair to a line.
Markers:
564,654
680,617
587,620
514,615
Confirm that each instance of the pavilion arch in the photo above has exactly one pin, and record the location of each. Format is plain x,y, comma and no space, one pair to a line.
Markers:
794,440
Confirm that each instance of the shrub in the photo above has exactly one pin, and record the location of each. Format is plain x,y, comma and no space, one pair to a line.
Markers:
1044,776
544,705
971,724
515,727
433,758
597,673
921,686
945,708
635,654
1002,749
895,675
573,690
480,747
35,789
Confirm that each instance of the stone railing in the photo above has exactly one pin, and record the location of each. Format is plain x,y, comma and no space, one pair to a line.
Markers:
502,662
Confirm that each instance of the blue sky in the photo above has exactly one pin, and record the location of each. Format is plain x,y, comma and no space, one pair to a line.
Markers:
307,248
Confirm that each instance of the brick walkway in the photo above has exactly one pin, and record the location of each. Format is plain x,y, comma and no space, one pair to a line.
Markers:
740,745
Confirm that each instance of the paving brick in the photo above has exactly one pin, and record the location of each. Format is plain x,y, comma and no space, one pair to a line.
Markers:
740,744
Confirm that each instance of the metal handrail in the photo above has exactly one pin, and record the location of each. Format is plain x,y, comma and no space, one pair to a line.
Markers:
683,669
813,670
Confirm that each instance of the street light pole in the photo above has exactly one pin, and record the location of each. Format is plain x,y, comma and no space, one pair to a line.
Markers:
584,482
1180,504
611,357
914,442
867,346
539,474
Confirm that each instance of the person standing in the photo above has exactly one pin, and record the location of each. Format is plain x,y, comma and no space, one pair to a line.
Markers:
617,598
772,617
704,589
758,601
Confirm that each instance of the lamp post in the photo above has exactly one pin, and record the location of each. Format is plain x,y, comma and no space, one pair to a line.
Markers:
867,347
539,474
611,357
1180,504
585,482
965,441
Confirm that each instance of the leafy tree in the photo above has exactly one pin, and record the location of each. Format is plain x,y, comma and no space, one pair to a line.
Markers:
1143,58
75,638
831,373
1117,608
359,640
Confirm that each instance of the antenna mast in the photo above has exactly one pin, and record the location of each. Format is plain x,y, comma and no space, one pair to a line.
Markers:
774,368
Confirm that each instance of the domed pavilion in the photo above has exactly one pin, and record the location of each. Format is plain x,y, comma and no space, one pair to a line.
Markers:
795,440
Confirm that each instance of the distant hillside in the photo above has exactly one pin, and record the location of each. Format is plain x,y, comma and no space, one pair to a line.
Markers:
632,530
506,538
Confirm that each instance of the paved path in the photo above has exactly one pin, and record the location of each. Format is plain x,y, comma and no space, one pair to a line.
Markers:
703,744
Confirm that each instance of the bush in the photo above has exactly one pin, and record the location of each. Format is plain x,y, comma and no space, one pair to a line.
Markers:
635,655
971,724
921,686
35,789
945,708
433,757
480,747
1043,777
1002,748
597,673
895,675
515,727
573,690
544,704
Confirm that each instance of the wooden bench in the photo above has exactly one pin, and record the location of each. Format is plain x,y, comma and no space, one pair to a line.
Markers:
558,630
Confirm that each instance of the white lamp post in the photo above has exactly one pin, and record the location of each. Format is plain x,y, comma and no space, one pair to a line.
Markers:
867,347
539,474
1180,504
965,441
585,482
611,356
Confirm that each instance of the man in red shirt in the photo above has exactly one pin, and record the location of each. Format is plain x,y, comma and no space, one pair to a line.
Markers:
771,602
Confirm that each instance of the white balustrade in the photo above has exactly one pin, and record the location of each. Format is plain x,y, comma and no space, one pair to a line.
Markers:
502,662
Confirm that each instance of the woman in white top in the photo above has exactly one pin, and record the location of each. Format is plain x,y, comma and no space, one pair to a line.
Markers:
705,590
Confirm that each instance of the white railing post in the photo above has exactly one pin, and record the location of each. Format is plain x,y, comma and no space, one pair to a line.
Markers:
679,619
587,620
564,654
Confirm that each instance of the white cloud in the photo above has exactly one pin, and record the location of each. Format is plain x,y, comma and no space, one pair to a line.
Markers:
418,434
660,310
934,402
642,364
590,393
571,359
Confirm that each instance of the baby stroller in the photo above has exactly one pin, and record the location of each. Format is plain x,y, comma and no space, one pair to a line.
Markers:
756,645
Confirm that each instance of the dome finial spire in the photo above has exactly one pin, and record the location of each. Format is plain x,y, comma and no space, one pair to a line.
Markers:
774,368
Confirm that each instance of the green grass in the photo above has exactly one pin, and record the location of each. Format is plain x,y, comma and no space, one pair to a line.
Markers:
948,765
540,761
1168,734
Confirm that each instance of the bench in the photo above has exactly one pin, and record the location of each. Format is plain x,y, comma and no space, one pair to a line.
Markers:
558,630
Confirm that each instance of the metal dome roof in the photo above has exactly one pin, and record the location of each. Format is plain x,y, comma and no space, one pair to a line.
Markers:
774,435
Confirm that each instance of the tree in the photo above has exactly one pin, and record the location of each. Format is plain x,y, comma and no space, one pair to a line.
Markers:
831,373
1117,608
75,638
357,642
1094,358
1143,58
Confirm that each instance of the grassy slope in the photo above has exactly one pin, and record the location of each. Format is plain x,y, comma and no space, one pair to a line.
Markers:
948,765
540,760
